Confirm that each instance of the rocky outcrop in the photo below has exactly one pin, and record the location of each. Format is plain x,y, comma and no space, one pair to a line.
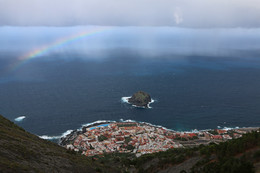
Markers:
140,98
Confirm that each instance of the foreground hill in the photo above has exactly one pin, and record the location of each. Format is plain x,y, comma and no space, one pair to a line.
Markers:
21,151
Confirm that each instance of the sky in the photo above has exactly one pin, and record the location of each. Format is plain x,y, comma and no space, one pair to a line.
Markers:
180,13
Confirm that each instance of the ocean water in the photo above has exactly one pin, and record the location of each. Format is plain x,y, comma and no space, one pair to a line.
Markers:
196,81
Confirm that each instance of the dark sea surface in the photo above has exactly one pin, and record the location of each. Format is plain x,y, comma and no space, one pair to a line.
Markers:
62,90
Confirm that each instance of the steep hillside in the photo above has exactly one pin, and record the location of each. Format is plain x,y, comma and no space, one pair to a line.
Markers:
240,155
21,151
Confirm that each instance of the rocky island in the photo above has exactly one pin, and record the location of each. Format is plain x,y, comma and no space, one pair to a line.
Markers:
140,99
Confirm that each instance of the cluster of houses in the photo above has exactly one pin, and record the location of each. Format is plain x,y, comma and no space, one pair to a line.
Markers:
140,138
122,138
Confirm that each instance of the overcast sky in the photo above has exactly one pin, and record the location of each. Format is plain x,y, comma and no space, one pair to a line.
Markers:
183,13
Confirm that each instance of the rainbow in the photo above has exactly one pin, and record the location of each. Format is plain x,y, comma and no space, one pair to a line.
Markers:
57,43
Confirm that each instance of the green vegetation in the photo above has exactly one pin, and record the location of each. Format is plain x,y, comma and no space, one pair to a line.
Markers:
169,157
230,165
181,139
127,139
102,138
130,147
193,137
140,98
233,147
227,155
213,132
234,156
24,152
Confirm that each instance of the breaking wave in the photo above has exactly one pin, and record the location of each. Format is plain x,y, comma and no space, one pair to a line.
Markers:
49,137
21,118
56,137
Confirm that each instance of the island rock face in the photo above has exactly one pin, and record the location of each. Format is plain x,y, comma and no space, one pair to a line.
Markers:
140,98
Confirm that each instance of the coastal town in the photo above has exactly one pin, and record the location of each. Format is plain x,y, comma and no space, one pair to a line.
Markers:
141,138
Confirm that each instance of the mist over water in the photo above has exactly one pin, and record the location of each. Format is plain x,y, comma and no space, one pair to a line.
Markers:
200,78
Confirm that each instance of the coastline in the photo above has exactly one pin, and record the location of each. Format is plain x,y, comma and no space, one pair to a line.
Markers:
99,122
87,139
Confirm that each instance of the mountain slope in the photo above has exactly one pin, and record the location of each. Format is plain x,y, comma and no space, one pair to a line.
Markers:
21,151
240,155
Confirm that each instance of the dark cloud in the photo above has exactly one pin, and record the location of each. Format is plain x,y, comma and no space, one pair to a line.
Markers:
183,13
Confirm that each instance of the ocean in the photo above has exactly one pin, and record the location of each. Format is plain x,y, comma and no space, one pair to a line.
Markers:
199,78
